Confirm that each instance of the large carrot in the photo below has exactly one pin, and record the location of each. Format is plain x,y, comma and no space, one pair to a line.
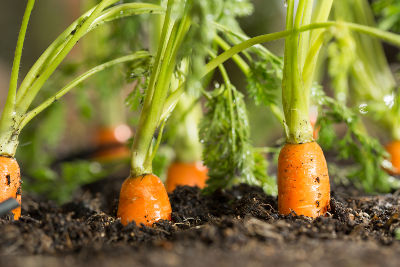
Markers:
303,181
10,182
144,200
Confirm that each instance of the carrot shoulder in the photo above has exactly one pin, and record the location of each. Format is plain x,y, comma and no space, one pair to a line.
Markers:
303,181
183,173
144,200
10,182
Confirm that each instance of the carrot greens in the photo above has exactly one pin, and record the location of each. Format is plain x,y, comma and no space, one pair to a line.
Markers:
15,114
389,13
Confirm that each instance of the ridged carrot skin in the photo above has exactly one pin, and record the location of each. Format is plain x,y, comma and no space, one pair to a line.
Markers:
10,182
393,148
182,173
303,180
144,200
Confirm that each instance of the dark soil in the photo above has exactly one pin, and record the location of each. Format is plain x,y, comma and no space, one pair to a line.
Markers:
238,227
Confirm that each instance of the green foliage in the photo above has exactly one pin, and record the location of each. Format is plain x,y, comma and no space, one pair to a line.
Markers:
138,74
227,150
61,186
356,144
389,13
264,81
204,14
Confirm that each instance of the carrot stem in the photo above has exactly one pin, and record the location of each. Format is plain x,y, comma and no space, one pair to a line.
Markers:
30,94
30,115
60,44
18,101
9,114
172,35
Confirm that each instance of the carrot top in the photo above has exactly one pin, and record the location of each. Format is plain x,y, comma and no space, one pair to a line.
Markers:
16,113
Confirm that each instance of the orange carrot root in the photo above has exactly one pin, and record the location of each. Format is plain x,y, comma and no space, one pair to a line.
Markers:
10,182
112,143
303,181
393,148
181,173
144,200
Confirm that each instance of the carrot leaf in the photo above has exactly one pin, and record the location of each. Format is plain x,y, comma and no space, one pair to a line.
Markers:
228,153
356,145
264,80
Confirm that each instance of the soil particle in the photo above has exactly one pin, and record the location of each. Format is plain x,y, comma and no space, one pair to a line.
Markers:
237,227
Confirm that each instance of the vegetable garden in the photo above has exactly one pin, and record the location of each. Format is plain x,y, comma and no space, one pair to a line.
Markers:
144,153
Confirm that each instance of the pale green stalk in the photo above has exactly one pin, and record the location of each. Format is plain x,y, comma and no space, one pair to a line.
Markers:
20,100
30,115
214,63
156,94
8,142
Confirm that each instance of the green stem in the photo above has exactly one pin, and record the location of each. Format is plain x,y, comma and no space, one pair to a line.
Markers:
244,67
214,63
60,43
159,84
158,142
33,113
8,114
295,97
30,94
386,36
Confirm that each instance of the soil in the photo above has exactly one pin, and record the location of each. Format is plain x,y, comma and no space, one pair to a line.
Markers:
237,227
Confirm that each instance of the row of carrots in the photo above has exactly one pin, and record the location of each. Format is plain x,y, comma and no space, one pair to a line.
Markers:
303,180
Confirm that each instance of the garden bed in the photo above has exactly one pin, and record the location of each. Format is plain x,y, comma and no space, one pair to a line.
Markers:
239,227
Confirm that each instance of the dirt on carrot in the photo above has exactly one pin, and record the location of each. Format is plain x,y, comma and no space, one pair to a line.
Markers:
10,182
143,200
182,173
303,181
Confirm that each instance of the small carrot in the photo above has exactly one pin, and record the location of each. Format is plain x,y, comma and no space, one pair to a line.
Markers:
144,200
393,148
10,182
111,143
182,173
303,181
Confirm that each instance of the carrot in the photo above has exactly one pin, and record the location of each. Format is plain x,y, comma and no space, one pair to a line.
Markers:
10,182
144,200
111,143
182,173
393,148
303,181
